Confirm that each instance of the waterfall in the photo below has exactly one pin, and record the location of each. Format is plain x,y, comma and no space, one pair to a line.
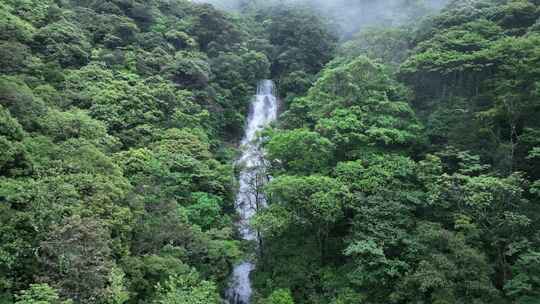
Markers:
263,111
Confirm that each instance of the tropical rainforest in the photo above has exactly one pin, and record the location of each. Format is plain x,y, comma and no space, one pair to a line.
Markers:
405,163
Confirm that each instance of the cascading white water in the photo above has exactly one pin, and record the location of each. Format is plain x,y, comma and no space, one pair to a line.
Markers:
264,109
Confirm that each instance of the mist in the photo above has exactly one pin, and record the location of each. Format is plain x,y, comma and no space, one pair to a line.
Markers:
351,15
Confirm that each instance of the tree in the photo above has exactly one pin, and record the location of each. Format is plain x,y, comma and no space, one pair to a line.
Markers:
76,259
18,98
189,69
389,44
188,288
302,39
61,126
117,293
144,272
40,294
299,152
15,57
489,209
523,287
315,203
14,155
280,296
205,211
14,27
63,42
356,105
452,272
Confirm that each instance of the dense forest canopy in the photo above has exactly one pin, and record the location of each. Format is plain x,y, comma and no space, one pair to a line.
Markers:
405,163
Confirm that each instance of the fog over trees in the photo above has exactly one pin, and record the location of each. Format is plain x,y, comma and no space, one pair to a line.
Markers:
349,15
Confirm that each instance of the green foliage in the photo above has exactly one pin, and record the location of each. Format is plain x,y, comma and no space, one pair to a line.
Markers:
238,73
61,126
452,272
299,152
78,260
357,105
524,286
187,289
280,296
302,41
36,12
297,41
315,199
309,207
18,98
373,267
12,26
10,126
388,44
63,42
213,29
378,173
206,210
40,294
117,293
190,70
15,57
145,272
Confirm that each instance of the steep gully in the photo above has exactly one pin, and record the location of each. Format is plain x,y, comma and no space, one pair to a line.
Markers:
263,111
